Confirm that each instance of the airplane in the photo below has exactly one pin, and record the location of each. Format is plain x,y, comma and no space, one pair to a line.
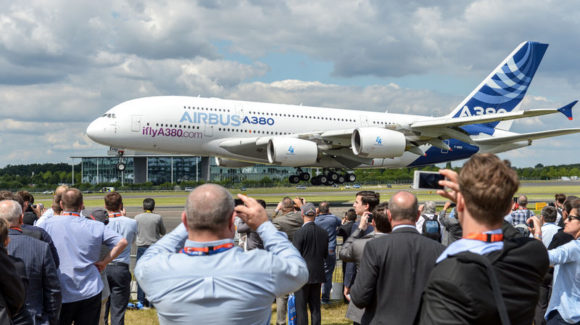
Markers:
240,133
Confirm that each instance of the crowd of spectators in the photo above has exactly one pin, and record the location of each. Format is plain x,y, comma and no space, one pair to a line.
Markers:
484,258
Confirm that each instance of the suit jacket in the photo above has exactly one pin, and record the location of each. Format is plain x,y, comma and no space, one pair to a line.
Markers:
312,243
393,273
12,290
289,223
43,296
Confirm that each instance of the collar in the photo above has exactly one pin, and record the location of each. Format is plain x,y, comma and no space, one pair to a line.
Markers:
115,214
491,236
19,229
193,248
404,226
307,222
71,213
148,211
472,245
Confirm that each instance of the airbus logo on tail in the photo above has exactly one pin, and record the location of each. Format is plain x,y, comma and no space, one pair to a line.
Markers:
478,110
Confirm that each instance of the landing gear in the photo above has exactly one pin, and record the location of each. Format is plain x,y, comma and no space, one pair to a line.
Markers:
299,176
330,177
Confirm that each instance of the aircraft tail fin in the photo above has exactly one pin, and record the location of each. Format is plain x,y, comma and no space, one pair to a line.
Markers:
503,90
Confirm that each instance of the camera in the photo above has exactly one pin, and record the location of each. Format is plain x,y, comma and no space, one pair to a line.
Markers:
427,180
369,217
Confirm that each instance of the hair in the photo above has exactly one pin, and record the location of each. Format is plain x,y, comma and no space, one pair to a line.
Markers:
568,203
61,189
350,214
148,204
487,185
10,211
262,203
576,204
7,195
56,203
324,207
369,197
406,211
523,200
209,207
287,204
382,222
549,213
26,196
72,200
3,232
560,197
430,207
113,201
382,206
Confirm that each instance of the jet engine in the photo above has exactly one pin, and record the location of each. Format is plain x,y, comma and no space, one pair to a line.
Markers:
378,143
292,152
225,162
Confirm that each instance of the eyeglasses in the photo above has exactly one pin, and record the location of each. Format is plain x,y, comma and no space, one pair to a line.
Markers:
571,217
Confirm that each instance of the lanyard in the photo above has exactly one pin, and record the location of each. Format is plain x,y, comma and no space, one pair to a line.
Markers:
210,250
74,214
488,238
114,214
16,228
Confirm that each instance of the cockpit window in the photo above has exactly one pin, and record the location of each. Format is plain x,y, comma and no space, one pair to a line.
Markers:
109,115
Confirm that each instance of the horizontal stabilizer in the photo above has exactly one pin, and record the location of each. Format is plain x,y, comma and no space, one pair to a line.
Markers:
525,136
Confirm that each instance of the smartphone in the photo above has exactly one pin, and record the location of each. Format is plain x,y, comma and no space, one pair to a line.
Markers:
427,180
369,217
531,224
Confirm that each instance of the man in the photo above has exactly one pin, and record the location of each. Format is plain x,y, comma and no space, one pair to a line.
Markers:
118,273
484,278
78,241
330,223
563,307
365,203
562,237
352,250
30,210
209,281
522,213
559,199
395,268
312,242
548,218
49,213
12,288
150,228
427,224
289,221
43,294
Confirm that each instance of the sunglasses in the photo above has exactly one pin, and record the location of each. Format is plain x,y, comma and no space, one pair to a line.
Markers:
572,217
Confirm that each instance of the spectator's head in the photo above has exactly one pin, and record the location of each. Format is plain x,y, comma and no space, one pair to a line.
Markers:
11,211
403,208
572,222
56,208
72,200
568,205
486,188
381,222
4,239
113,201
210,208
365,201
262,203
523,201
26,197
148,204
287,205
560,198
350,215
308,212
383,207
430,207
549,214
324,207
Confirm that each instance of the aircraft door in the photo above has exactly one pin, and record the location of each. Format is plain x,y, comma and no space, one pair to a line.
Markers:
136,123
363,120
209,130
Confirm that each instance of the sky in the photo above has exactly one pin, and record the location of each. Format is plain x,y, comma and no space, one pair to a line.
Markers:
64,63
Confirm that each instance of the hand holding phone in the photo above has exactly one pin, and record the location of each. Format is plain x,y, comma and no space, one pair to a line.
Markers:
427,180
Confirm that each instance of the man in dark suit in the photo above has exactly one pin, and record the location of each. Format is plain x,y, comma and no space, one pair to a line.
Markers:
312,243
43,295
395,268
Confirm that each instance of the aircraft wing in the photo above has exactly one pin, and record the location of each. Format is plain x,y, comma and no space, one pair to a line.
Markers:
524,137
480,119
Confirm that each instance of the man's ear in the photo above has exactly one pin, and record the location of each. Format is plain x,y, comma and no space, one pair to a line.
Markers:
388,216
184,219
460,203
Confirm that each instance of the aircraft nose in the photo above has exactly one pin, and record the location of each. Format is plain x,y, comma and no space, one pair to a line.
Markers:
97,131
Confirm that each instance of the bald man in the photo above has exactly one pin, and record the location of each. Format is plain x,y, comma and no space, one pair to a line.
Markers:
395,267
209,280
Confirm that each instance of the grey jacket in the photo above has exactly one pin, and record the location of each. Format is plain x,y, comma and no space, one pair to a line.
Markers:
352,250
289,223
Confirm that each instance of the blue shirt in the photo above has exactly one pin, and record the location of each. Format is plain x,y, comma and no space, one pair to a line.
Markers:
566,285
78,241
330,223
475,246
127,228
231,287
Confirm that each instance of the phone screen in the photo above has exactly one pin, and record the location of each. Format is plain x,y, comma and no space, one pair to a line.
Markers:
430,180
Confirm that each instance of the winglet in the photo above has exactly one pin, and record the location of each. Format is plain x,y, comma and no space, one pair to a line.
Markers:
567,110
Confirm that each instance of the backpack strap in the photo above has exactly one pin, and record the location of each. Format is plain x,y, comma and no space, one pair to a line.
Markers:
499,302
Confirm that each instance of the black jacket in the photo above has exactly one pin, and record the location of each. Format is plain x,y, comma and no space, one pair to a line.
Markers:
12,291
459,291
312,243
393,273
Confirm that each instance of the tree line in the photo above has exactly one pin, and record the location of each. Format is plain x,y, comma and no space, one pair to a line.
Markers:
41,177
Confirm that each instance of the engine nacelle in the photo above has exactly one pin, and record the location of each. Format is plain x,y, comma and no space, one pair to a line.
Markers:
378,143
225,162
292,152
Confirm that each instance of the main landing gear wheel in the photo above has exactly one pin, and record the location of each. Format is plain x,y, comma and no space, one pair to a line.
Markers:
304,176
294,179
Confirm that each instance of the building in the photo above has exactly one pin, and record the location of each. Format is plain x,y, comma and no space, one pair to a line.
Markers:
158,169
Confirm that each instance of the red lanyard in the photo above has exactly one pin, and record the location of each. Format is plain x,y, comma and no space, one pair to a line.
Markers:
16,228
115,214
74,214
211,250
488,238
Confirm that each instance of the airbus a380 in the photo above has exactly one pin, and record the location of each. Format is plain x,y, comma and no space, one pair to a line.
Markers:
240,133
